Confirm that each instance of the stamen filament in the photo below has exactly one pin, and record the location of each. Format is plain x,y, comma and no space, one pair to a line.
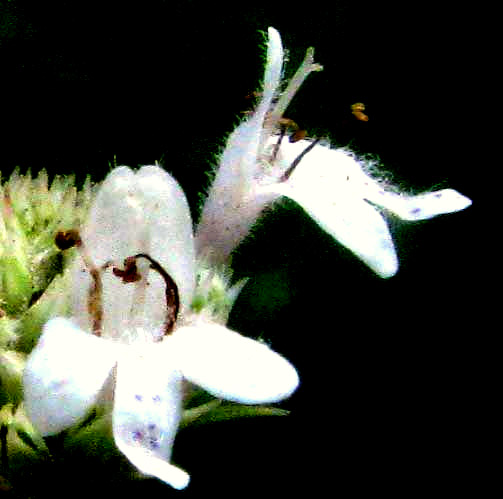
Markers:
67,239
278,143
297,160
172,297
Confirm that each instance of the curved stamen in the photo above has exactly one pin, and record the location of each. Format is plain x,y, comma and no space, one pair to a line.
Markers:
297,160
278,143
131,274
68,239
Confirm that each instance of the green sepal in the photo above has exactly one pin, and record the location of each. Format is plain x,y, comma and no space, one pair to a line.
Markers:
15,285
219,410
11,372
54,302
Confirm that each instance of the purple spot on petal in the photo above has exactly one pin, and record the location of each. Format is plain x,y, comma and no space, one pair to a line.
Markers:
415,211
137,436
58,384
138,397
151,426
438,195
156,398
154,443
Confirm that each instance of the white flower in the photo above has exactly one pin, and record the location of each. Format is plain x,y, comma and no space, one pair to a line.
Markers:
147,343
258,166
141,327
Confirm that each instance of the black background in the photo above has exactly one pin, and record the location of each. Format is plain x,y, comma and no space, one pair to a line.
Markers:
390,400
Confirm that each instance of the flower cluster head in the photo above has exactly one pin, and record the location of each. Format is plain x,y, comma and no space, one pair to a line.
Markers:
150,295
31,210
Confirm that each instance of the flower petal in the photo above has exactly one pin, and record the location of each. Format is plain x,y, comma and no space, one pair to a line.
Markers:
232,206
147,411
422,206
323,171
143,212
167,214
330,185
64,374
355,224
111,233
272,74
232,366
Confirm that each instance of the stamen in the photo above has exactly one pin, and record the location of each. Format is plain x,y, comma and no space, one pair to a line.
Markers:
172,297
284,125
95,303
67,239
130,274
278,143
297,160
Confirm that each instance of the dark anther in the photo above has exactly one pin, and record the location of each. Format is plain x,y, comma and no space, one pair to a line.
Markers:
297,160
298,135
294,137
130,272
66,239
